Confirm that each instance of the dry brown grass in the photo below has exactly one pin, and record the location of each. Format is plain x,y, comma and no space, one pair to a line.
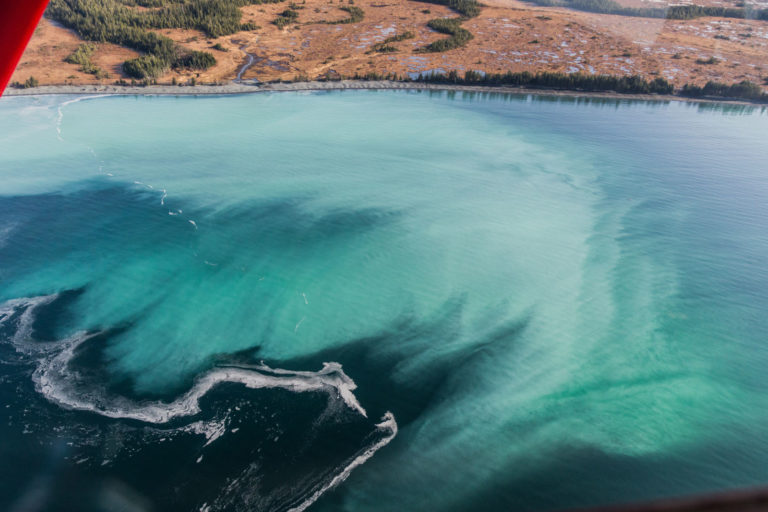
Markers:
504,31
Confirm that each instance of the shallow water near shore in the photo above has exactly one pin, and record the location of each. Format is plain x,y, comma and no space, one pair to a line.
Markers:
380,300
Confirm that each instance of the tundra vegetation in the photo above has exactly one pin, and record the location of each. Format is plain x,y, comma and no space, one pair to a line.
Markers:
116,21
356,15
133,24
452,26
26,84
82,56
285,18
385,46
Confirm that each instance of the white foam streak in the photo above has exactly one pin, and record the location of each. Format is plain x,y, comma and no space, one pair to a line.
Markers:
54,380
388,424
53,377
24,327
212,430
341,381
147,185
61,106
53,374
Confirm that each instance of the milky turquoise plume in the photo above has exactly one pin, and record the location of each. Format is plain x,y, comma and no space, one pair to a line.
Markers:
560,302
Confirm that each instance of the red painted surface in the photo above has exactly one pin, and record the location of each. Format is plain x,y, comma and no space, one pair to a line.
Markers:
18,19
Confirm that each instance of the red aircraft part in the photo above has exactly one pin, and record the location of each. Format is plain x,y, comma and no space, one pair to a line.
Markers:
18,19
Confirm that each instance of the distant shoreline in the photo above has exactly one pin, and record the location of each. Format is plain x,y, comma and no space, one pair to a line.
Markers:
236,88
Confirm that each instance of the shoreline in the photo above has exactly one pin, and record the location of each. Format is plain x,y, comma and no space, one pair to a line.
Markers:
242,88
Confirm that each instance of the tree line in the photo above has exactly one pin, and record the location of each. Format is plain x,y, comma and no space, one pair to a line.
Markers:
744,90
385,46
452,26
82,57
634,84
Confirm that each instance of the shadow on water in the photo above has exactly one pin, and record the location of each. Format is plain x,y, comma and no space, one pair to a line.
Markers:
50,322
407,368
567,482
246,449
410,367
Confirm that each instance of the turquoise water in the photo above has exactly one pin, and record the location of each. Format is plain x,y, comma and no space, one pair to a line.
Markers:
562,303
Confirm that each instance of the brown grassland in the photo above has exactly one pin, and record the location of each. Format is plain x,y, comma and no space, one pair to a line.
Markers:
509,35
